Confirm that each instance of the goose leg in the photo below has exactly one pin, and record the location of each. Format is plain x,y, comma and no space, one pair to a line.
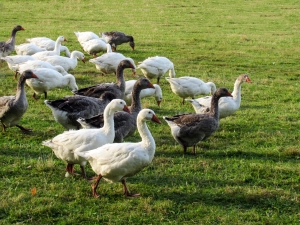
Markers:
194,150
45,94
83,172
70,168
127,192
184,149
95,185
34,96
3,127
23,129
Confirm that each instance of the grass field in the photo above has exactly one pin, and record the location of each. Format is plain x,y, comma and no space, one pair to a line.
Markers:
248,172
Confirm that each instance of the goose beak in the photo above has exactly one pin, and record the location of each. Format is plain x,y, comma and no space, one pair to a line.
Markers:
150,85
248,80
83,60
65,39
22,28
229,94
158,103
34,75
155,119
126,109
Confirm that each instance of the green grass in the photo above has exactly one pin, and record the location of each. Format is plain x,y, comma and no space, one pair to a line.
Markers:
246,173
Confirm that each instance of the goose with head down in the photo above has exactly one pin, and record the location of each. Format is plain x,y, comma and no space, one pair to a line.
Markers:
66,145
118,161
125,123
55,51
115,38
7,47
227,105
12,108
189,129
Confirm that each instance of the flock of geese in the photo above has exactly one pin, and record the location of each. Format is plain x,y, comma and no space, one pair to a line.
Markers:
97,118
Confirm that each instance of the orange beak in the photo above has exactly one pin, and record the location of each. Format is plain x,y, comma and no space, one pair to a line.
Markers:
126,109
155,119
150,85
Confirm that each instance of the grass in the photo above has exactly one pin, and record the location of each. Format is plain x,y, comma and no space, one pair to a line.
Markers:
246,173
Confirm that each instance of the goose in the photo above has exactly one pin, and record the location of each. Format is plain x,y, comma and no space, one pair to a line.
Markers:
65,62
189,129
7,47
125,124
12,108
68,109
190,87
227,105
156,92
94,46
49,79
85,36
108,62
117,161
33,64
48,44
55,51
28,49
13,61
65,145
115,38
117,88
156,67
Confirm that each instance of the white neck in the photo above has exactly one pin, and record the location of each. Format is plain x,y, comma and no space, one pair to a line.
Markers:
57,47
236,94
147,139
108,117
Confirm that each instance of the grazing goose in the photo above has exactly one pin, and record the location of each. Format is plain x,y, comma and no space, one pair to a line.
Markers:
190,87
94,46
28,49
7,47
65,145
48,43
118,161
156,92
85,36
55,51
49,79
117,88
33,64
12,108
156,67
67,110
189,129
65,62
108,62
227,105
125,123
115,38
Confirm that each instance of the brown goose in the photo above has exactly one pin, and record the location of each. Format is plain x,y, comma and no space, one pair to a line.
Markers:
189,129
117,88
115,38
12,108
6,48
67,110
125,123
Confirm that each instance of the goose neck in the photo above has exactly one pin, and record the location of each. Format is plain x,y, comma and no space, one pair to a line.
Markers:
147,139
108,117
21,88
120,79
136,100
214,107
236,94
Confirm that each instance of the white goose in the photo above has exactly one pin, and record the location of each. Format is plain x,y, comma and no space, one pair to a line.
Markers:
108,62
85,36
118,161
227,105
65,62
190,87
65,145
94,46
156,92
156,67
33,64
49,79
28,49
55,51
47,43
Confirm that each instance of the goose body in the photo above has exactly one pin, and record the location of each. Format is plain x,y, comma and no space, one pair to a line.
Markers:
85,36
65,62
115,38
156,67
48,44
190,87
28,49
94,46
65,145
189,129
12,108
117,88
33,64
55,51
227,105
13,61
125,123
49,79
7,47
67,110
108,62
156,92
118,161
